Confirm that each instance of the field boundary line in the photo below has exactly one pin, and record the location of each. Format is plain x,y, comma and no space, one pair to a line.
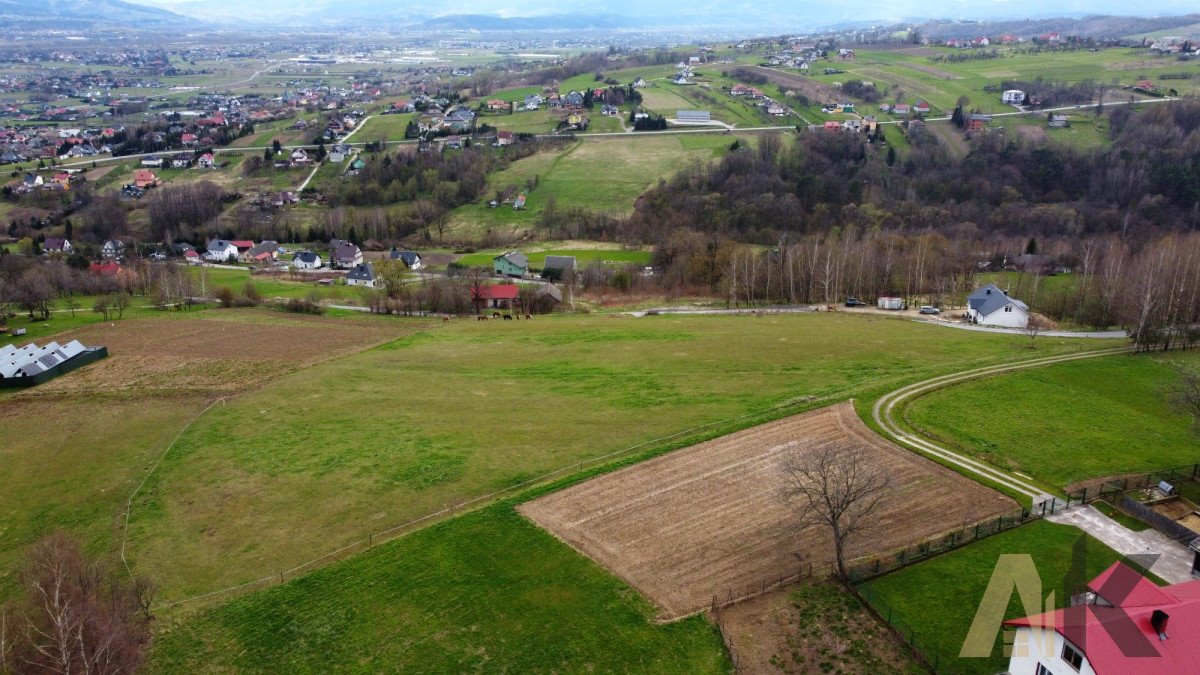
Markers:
210,406
129,502
389,534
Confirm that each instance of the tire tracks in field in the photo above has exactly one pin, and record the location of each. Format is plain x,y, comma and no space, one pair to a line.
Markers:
886,407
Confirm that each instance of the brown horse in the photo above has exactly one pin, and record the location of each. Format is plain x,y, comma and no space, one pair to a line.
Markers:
528,316
495,315
508,317
481,318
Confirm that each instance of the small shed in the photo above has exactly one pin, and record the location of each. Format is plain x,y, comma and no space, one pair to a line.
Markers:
893,302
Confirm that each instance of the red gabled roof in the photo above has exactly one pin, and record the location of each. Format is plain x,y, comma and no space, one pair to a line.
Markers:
104,268
1092,627
495,292
243,243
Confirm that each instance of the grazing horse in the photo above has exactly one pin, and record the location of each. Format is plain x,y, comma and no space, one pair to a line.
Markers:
445,319
508,317
495,315
528,316
481,318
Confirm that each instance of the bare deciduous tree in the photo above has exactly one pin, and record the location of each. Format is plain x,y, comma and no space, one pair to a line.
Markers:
1033,328
76,616
836,487
1184,394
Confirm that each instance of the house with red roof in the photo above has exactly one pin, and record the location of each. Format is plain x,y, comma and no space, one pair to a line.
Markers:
501,296
921,107
145,178
1126,626
109,268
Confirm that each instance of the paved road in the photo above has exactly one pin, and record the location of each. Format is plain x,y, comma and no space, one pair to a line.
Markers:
885,409
1174,562
770,309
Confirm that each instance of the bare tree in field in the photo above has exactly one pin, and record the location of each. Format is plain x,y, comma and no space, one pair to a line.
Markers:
475,278
837,487
1034,328
77,617
1184,394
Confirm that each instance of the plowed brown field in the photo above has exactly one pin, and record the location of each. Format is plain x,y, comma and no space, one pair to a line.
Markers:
214,352
709,519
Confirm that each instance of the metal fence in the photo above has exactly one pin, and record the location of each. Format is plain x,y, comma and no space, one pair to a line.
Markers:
919,644
1117,486
732,596
867,568
1158,521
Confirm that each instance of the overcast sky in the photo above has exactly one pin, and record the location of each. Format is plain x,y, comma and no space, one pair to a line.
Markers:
794,13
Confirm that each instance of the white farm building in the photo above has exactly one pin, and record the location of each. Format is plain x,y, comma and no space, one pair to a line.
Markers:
1013,96
990,306
30,364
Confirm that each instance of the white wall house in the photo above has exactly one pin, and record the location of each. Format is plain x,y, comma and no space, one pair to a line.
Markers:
990,306
1044,651
363,274
219,250
1013,96
306,260
1124,623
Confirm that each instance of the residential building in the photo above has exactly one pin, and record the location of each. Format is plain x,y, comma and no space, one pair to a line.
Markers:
1013,97
57,245
563,265
990,306
497,296
1123,623
220,250
306,260
112,249
362,274
511,264
411,259
344,254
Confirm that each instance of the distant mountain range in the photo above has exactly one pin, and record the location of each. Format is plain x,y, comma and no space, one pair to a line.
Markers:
87,13
551,22
770,16
1090,26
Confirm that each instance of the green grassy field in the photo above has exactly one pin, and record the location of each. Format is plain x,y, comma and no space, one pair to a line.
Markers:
488,591
583,257
1066,423
321,457
270,287
61,320
1120,516
597,175
384,128
75,474
938,598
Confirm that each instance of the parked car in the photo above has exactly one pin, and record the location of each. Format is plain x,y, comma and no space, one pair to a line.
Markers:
855,302
930,309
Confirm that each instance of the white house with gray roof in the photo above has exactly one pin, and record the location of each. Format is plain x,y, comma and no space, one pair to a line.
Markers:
990,306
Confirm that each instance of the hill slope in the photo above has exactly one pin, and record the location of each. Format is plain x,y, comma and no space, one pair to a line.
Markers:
84,13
